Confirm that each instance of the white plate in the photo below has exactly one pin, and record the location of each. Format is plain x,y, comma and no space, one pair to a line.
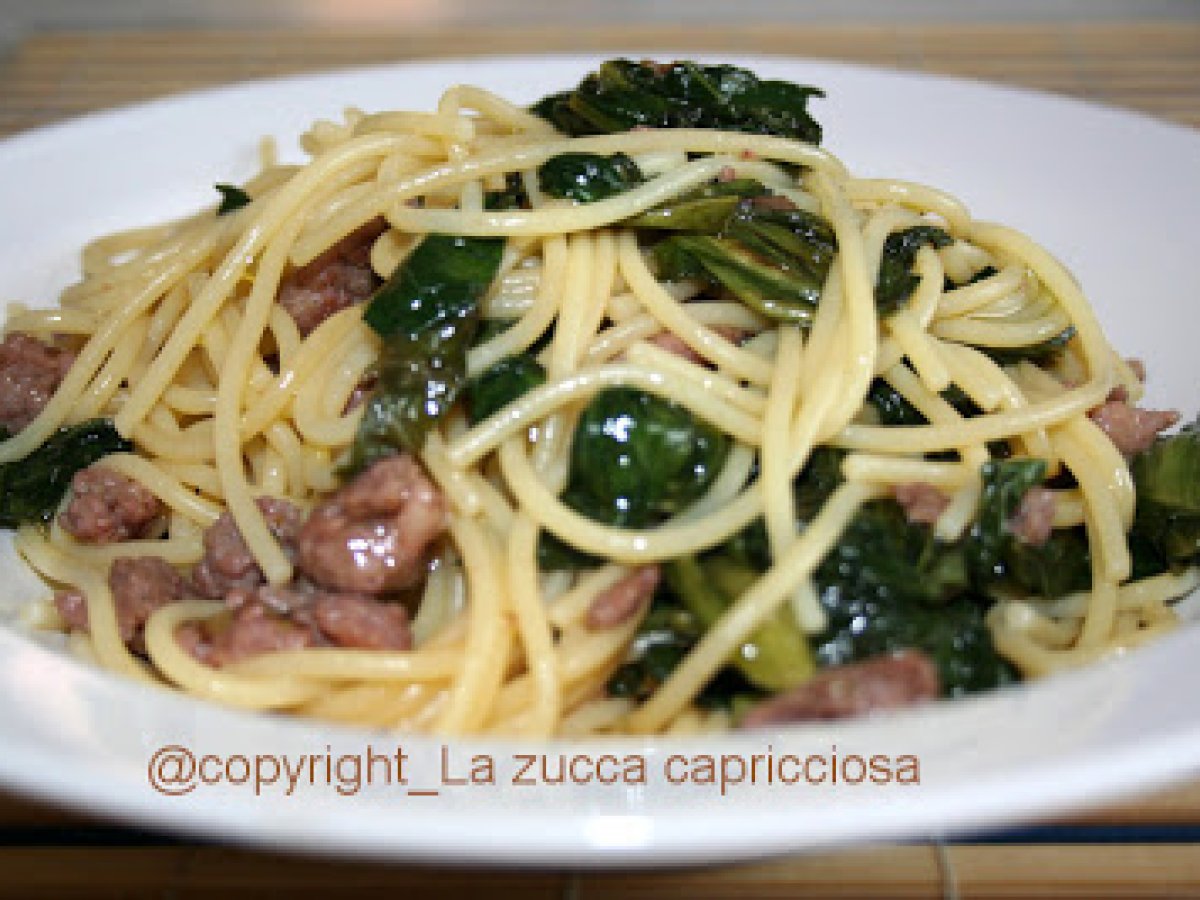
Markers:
1117,196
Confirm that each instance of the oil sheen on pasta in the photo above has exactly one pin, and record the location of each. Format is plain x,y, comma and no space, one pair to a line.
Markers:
632,411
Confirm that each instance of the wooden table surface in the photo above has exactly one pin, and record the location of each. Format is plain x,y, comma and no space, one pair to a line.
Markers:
1146,848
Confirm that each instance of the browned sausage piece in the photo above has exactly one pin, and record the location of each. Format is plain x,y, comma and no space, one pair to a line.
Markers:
1034,519
624,599
884,682
372,535
253,630
923,504
270,619
140,585
106,507
72,608
355,620
227,563
1130,428
30,373
338,278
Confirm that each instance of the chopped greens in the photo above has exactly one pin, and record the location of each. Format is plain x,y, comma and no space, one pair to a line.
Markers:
635,459
427,314
513,195
1167,479
896,282
506,381
773,260
232,198
776,655
890,584
623,94
588,177
998,559
1039,352
704,210
31,488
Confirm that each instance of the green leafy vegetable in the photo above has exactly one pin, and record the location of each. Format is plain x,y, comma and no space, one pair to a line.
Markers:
512,197
664,637
776,655
982,274
623,94
705,210
810,489
891,406
427,314
506,381
1004,485
635,459
588,177
775,261
232,198
890,584
998,559
1039,352
1167,479
31,488
639,458
439,282
896,282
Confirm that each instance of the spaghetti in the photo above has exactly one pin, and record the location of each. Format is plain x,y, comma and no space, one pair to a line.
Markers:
181,340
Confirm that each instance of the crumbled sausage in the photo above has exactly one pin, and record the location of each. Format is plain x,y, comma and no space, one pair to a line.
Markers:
372,535
1034,519
1130,428
624,599
72,609
883,682
674,344
338,278
269,619
227,563
355,620
30,373
776,202
252,630
140,585
923,504
106,507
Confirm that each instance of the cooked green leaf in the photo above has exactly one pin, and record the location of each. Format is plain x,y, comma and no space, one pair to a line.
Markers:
506,381
998,559
705,210
427,314
890,584
232,198
588,177
31,488
623,94
1167,479
776,655
896,282
635,459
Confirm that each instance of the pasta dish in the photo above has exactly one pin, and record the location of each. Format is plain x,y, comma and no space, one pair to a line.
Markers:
632,411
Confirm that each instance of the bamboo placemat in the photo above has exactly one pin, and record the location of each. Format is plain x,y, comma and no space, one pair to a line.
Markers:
1152,67
1147,848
